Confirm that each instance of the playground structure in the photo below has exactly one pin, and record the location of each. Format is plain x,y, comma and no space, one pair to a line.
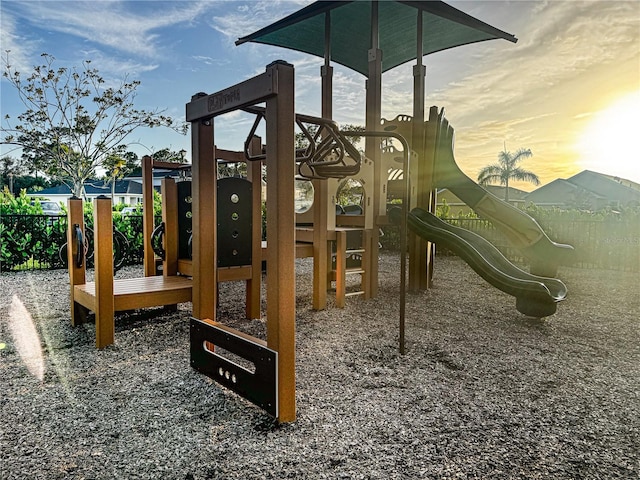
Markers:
238,247
425,160
105,296
273,378
167,258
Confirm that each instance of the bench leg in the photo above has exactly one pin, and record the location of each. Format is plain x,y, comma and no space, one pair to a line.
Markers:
79,314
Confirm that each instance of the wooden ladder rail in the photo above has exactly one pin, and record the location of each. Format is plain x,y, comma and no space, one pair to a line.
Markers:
342,272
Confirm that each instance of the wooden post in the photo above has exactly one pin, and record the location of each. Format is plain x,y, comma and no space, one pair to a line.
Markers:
204,219
420,249
171,233
366,263
321,256
147,215
341,267
281,235
254,174
103,258
75,216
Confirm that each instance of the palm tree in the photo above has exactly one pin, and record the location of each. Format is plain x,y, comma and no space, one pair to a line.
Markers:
507,169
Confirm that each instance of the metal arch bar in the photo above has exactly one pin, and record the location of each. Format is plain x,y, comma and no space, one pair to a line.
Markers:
330,126
403,225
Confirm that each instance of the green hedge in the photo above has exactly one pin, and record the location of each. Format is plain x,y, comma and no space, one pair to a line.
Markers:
30,240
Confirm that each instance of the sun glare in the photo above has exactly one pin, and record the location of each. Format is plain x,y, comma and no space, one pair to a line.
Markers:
26,338
610,143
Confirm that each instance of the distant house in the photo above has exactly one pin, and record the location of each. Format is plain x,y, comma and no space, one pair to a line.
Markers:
458,207
127,191
158,174
587,190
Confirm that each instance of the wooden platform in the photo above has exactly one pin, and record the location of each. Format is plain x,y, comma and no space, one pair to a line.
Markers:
128,294
133,293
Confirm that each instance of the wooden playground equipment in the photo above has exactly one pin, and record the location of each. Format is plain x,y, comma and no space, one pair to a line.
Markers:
328,159
223,209
272,384
106,295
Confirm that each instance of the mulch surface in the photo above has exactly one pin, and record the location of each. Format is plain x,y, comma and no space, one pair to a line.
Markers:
482,391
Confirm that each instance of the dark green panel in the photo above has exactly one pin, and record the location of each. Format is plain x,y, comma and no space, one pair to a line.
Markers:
234,222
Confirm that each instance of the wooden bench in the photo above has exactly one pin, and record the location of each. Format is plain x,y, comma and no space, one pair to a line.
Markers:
105,296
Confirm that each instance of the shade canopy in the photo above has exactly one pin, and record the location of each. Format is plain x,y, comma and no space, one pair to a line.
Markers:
443,27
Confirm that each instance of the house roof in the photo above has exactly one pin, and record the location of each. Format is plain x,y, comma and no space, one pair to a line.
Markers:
96,187
601,189
605,186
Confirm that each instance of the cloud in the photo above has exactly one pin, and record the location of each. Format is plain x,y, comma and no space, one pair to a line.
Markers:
114,23
238,19
20,47
117,66
572,59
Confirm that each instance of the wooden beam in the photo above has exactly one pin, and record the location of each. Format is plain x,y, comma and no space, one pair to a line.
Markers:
147,216
321,195
204,188
281,306
103,258
243,94
75,216
254,174
170,165
341,267
372,144
230,156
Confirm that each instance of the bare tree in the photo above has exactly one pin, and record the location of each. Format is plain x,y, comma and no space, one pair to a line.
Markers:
73,121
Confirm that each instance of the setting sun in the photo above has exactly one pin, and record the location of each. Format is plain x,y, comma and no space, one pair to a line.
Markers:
609,144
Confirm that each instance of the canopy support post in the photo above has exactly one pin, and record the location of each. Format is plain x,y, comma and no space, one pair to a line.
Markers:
420,250
321,188
372,145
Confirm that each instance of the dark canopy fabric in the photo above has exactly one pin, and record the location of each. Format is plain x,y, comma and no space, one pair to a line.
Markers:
443,27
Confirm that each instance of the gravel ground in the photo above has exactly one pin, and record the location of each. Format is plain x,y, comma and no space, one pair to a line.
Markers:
483,392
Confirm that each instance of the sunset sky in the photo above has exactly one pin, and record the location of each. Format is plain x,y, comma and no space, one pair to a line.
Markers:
569,89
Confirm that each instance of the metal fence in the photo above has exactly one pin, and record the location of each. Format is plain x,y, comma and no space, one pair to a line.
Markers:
37,242
609,243
32,242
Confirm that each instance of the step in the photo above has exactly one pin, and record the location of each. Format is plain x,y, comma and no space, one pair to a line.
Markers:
353,294
354,271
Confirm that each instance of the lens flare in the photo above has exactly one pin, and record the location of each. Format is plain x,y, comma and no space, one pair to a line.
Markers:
609,145
26,338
